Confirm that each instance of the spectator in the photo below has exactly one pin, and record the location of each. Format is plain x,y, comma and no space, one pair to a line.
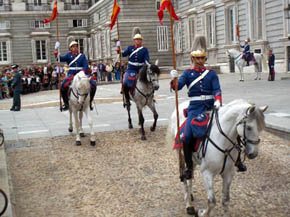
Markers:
94,69
17,87
102,70
117,70
109,69
271,63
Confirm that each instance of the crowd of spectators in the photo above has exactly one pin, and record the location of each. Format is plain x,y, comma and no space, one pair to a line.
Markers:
36,78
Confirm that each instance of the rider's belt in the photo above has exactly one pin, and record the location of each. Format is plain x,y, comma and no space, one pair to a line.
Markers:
201,97
75,68
136,64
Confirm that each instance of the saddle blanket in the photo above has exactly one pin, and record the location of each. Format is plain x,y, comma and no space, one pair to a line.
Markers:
179,143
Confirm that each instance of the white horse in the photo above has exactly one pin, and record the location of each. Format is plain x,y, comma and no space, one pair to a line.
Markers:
79,101
241,63
238,119
147,84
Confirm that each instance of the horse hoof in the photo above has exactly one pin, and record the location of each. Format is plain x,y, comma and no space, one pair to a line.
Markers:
241,80
70,130
130,126
191,211
143,137
78,143
152,129
93,143
82,135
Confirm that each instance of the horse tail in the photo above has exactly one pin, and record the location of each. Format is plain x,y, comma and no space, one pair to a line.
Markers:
170,131
264,61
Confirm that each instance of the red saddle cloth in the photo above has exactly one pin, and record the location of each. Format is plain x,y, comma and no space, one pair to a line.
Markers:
179,143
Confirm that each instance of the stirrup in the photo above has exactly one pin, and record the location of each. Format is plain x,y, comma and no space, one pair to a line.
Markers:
91,107
188,174
65,107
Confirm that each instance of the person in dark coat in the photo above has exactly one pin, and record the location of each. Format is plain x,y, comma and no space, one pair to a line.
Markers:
271,63
17,88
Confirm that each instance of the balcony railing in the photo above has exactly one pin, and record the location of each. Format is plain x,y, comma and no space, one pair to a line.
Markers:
81,6
42,7
6,7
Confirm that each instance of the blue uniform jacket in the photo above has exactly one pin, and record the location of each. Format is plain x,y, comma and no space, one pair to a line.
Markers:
80,64
246,48
138,59
196,120
271,61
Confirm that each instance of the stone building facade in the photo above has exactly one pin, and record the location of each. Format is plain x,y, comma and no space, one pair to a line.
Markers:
25,40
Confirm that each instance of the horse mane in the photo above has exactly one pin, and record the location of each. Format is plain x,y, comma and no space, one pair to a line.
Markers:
143,72
79,79
233,109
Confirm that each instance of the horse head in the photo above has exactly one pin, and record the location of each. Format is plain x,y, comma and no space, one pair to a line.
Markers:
249,128
150,73
81,84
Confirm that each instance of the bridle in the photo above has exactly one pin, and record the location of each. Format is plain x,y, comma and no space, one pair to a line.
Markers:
150,78
77,95
239,145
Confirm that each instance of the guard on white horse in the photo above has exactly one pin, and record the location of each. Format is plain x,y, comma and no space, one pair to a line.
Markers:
233,128
241,62
76,62
79,101
247,56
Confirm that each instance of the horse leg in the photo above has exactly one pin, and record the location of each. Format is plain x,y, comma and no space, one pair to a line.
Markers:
77,126
81,124
188,197
70,128
227,180
208,182
90,121
155,115
241,73
130,125
141,122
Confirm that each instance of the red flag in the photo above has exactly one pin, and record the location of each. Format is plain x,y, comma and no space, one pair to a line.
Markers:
115,12
237,31
53,14
168,5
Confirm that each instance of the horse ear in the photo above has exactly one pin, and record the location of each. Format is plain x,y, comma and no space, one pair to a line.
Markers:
251,110
156,62
264,108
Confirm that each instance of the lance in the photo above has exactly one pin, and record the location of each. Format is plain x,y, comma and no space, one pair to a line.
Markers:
120,65
58,61
181,161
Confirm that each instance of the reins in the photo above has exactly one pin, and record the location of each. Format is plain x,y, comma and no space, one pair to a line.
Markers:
77,95
226,152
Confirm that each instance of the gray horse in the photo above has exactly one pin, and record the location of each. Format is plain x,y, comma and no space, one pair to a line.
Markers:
143,95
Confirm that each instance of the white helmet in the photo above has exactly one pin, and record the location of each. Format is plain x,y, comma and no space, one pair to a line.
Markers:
137,36
73,43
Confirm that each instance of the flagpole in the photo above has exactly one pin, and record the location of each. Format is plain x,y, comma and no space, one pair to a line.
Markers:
121,71
181,162
58,61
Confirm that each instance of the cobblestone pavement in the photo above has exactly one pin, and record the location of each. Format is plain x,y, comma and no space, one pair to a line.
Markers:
124,176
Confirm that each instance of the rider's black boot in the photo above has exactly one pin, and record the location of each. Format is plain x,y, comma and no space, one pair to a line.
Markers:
64,96
240,165
248,63
127,97
187,150
92,95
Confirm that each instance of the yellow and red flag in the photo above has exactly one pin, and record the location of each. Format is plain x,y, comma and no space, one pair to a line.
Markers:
169,6
53,14
115,12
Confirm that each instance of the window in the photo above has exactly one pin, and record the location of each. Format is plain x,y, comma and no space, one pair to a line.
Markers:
158,4
1,3
40,46
4,24
191,31
77,23
96,17
39,24
37,2
81,45
75,2
210,29
162,38
230,24
98,45
255,20
178,37
3,51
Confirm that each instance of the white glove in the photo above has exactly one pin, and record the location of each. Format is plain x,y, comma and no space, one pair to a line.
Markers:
57,45
174,74
217,104
118,44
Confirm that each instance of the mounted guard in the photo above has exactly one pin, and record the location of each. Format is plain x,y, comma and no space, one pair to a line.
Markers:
137,57
77,62
247,55
204,93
